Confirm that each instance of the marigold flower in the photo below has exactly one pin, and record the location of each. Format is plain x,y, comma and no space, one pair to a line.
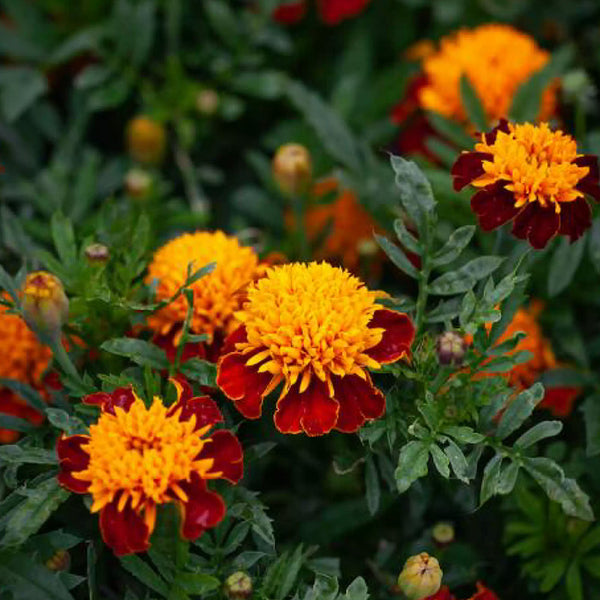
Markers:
317,329
25,359
216,295
420,577
292,168
558,400
146,140
442,594
483,593
136,459
331,12
496,59
532,176
45,304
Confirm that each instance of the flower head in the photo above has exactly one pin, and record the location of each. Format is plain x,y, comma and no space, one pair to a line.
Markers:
532,176
238,586
216,295
495,58
332,12
483,593
316,329
146,140
137,458
292,168
420,577
25,359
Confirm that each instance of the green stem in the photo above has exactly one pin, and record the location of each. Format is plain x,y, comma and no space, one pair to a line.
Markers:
298,204
423,294
580,123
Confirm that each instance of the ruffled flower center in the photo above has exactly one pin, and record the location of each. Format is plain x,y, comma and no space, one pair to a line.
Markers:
143,454
309,319
535,163
216,295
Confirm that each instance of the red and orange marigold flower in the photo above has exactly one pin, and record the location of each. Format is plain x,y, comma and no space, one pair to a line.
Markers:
137,458
532,176
331,12
216,296
316,329
25,359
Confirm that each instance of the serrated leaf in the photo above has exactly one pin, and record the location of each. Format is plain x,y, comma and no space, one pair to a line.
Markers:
538,432
463,434
357,590
27,455
465,278
144,573
519,410
457,460
412,464
197,584
564,264
491,479
397,256
140,352
406,238
472,104
454,246
440,460
507,478
202,371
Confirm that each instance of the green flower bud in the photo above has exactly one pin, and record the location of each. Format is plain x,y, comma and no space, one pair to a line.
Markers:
420,577
238,586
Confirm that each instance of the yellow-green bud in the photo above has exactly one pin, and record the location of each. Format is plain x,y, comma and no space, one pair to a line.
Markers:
238,586
45,304
138,183
420,577
60,561
443,533
97,254
292,169
207,102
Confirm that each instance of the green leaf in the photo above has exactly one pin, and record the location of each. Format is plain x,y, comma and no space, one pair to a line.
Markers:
507,478
65,422
290,575
592,565
27,455
412,464
325,587
564,264
20,87
198,584
472,104
416,194
26,392
538,432
457,460
527,100
574,583
333,132
559,488
202,371
451,130
465,278
407,239
396,255
64,239
453,248
140,352
357,590
34,511
591,412
519,410
463,434
144,573
440,460
372,487
8,284
29,580
224,21
594,244
491,479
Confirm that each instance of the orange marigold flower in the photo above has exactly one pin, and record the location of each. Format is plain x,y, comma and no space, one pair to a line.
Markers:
532,176
496,59
22,358
558,400
137,458
317,329
216,295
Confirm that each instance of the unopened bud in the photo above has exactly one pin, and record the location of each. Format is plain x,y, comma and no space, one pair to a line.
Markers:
146,140
451,348
367,247
238,586
207,102
45,304
60,561
138,183
292,169
443,534
97,254
420,577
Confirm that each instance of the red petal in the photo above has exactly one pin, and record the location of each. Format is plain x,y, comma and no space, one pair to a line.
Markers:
288,14
359,400
121,397
242,384
494,206
73,459
334,11
203,407
203,509
97,399
559,400
468,167
490,137
397,338
313,411
536,224
575,218
589,183
410,102
226,451
237,337
124,531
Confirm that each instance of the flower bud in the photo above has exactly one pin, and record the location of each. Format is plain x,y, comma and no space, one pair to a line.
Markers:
138,183
420,577
146,140
97,254
207,102
238,586
451,348
292,169
60,561
443,534
45,304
